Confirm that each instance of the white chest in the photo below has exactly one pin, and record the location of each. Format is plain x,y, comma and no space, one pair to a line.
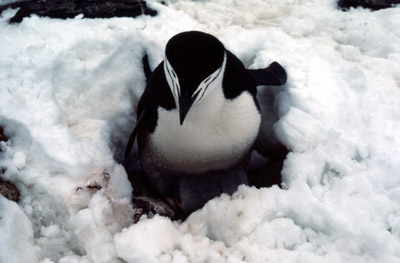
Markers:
216,134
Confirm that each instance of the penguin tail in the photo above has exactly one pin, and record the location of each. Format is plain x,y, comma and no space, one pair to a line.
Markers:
146,67
273,75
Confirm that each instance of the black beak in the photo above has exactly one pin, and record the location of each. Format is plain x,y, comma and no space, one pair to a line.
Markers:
185,103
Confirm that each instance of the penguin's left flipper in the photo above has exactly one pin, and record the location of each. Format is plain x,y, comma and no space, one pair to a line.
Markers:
273,75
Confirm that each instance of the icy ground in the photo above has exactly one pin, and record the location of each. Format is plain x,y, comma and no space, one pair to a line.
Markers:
68,92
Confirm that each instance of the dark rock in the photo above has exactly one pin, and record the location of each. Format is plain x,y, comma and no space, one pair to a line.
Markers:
371,4
151,206
70,8
3,138
9,191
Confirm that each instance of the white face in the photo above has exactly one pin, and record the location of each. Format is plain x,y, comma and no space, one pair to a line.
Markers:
208,84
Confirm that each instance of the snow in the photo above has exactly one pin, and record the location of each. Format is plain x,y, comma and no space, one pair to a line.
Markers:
16,240
19,160
69,90
137,243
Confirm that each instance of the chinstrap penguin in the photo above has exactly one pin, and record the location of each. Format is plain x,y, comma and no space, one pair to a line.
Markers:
199,113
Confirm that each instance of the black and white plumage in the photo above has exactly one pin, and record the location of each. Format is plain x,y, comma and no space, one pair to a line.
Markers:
199,111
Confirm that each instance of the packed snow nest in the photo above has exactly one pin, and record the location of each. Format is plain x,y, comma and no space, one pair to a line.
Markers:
69,90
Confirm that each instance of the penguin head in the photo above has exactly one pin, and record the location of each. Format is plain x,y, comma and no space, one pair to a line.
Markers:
194,65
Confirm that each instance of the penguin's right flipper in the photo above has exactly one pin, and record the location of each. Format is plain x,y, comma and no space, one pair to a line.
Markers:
273,75
132,138
141,110
146,67
142,113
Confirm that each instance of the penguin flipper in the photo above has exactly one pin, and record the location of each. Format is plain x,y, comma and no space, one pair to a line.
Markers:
142,111
273,75
146,67
141,107
132,138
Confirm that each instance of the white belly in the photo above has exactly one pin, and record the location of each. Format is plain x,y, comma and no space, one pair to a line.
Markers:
215,135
